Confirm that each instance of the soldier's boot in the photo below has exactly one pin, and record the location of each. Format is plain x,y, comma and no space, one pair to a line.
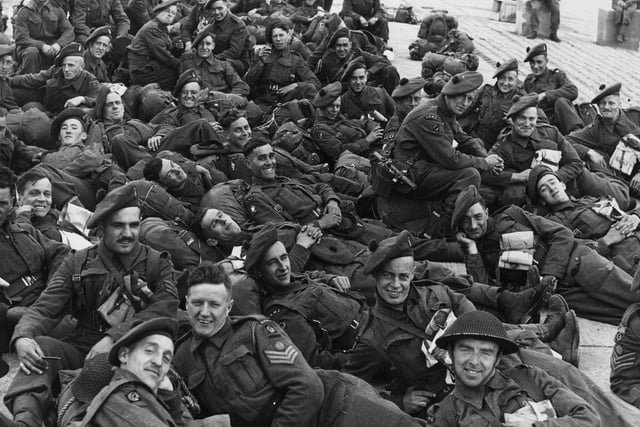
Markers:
567,343
554,37
555,321
520,307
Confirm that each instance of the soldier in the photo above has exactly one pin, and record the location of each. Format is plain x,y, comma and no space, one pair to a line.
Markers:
361,100
555,90
34,203
67,83
199,18
553,6
97,45
41,30
475,341
625,381
528,144
88,15
333,57
232,37
623,12
332,133
216,75
92,285
280,75
591,284
269,383
487,114
407,96
589,218
29,257
366,15
151,53
597,142
14,153
7,100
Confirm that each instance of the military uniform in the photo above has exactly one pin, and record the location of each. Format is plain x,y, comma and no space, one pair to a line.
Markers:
80,290
356,105
353,10
14,153
88,15
592,285
215,74
34,28
281,68
518,152
182,127
197,20
232,42
97,67
7,100
334,137
486,405
150,57
560,92
322,322
625,363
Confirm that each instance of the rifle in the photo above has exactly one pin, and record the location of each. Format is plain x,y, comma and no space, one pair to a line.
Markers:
395,173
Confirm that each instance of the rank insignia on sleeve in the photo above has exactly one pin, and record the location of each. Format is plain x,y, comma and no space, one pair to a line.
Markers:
286,356
133,396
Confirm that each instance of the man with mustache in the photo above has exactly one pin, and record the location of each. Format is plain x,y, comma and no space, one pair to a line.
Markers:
92,285
530,143
98,44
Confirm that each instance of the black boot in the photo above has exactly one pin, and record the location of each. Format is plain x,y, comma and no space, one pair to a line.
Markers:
520,307
555,320
554,37
567,343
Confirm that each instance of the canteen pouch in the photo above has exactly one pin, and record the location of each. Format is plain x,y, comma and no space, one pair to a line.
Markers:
116,309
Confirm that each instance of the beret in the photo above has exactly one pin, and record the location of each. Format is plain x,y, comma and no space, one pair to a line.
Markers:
540,49
259,245
352,66
116,199
408,86
165,4
480,325
606,91
72,49
68,113
523,102
327,95
188,76
166,326
535,176
341,32
95,374
510,65
466,198
105,30
390,248
201,35
462,83
7,49
286,127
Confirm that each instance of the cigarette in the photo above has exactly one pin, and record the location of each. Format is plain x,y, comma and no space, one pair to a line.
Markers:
51,358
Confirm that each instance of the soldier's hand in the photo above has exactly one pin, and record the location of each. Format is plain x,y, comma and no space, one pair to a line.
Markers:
204,172
416,400
628,224
467,244
24,209
375,135
329,220
288,88
154,142
635,182
341,282
372,20
308,236
102,346
613,236
30,356
596,158
494,160
76,101
550,281
46,50
188,45
363,21
334,209
264,52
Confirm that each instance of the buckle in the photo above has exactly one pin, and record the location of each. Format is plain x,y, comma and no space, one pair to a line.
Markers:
354,324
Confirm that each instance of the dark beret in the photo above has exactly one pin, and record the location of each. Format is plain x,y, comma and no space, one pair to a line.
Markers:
68,113
166,326
165,4
119,198
408,86
510,65
188,76
462,83
480,325
352,66
259,245
606,91
201,35
98,32
340,32
390,248
466,198
327,95
523,102
540,49
535,176
72,49
7,49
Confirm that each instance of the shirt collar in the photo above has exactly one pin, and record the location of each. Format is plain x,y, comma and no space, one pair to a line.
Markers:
475,396
218,339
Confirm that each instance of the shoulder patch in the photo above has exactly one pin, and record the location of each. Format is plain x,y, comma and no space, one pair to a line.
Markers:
133,396
287,354
94,83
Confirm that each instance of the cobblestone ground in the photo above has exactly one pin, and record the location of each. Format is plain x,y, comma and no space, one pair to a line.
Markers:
586,63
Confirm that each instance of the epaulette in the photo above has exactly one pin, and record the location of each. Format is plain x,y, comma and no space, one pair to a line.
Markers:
236,320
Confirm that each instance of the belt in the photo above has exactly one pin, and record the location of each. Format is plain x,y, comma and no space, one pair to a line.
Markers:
349,338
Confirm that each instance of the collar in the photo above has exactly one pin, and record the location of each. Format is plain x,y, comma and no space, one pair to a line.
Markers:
564,205
296,284
542,76
475,396
217,339
127,261
520,140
